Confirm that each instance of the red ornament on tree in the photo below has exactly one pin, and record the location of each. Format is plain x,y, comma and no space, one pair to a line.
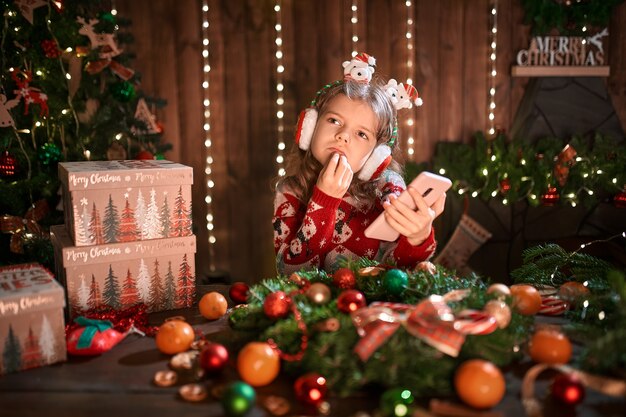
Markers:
311,389
568,389
350,300
619,200
550,197
8,166
213,358
344,278
276,305
238,292
144,155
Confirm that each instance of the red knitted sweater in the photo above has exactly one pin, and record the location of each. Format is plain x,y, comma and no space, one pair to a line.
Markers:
326,229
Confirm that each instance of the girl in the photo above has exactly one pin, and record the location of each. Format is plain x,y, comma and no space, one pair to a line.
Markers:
340,178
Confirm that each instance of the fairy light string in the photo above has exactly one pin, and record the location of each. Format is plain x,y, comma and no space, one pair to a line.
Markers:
410,35
492,67
354,20
208,168
280,88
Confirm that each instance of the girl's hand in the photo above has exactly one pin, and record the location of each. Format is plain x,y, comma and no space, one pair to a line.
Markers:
416,225
335,177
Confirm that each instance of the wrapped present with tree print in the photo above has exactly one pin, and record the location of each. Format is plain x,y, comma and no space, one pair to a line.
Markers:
159,273
32,327
126,201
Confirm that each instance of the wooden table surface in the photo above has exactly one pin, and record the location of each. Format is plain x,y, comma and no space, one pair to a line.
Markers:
119,383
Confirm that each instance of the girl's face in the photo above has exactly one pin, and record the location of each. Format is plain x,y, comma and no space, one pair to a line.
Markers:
347,127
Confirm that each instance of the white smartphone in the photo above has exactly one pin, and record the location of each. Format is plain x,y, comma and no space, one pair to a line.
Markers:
430,185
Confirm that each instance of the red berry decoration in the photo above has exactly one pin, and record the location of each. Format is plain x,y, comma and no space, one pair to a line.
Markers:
50,48
238,292
344,278
213,358
568,389
551,197
276,305
310,389
350,300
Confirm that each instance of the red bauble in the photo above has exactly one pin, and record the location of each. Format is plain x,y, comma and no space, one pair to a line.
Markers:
213,358
238,292
8,166
619,200
568,389
350,300
344,278
142,155
276,305
310,389
550,197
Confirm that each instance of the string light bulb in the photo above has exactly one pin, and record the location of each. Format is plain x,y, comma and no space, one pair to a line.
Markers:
208,168
491,111
280,96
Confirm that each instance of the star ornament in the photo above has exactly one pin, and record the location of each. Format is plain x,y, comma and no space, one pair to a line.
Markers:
28,6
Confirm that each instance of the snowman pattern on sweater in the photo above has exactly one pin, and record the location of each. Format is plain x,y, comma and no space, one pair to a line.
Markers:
326,229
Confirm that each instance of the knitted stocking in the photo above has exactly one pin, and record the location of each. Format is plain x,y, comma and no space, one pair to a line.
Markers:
466,239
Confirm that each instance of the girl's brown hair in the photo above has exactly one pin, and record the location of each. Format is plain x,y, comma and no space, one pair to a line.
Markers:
302,169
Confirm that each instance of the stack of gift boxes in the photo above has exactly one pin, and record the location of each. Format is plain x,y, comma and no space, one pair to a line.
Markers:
127,237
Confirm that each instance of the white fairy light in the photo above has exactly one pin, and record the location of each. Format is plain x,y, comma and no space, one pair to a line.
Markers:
280,98
354,20
409,36
208,169
492,72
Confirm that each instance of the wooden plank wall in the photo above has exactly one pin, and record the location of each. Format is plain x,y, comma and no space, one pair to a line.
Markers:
450,72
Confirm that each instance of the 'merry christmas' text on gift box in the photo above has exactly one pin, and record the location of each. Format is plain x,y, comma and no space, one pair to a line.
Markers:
159,273
32,328
124,201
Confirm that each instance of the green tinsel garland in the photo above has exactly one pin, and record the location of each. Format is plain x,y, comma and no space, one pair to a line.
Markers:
567,16
403,360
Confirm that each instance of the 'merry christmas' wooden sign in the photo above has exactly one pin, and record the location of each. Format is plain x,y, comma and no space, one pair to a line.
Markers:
563,56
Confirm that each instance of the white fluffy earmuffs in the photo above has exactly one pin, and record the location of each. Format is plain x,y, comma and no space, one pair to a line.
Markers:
377,162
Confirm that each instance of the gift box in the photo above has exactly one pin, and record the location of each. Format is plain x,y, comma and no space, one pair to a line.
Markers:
32,327
159,273
125,201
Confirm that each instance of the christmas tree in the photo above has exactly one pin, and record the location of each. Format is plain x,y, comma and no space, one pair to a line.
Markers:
68,92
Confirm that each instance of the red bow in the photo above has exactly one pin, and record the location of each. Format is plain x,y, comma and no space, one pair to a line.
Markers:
431,320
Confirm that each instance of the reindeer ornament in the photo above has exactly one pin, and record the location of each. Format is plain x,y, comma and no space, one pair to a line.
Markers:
108,46
31,95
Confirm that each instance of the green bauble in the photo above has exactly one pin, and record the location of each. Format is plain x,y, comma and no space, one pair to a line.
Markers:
107,17
395,281
123,91
396,402
49,154
238,399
